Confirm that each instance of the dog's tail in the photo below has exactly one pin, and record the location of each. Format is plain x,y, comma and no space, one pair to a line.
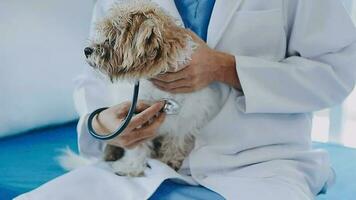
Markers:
70,160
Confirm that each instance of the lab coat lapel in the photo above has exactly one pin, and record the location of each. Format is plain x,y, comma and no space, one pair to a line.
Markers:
222,14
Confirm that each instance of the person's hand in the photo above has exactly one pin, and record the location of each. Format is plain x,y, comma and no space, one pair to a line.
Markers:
206,66
142,126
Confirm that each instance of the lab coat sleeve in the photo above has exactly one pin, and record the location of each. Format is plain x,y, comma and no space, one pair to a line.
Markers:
319,68
90,93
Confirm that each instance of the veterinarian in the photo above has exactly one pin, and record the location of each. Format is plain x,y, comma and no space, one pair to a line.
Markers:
275,61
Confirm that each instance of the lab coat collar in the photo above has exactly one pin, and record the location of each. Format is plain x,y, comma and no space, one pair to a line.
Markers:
223,12
220,18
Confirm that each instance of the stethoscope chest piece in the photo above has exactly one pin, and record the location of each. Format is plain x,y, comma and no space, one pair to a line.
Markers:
171,107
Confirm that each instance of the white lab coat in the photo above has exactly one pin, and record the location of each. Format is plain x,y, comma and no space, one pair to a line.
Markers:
293,57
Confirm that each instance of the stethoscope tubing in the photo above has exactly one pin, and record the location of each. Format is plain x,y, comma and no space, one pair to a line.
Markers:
125,122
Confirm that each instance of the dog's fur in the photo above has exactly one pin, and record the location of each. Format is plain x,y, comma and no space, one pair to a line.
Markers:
135,35
138,40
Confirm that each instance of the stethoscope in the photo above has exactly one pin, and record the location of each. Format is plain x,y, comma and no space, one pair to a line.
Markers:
171,107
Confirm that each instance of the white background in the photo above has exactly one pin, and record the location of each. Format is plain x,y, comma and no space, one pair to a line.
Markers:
41,44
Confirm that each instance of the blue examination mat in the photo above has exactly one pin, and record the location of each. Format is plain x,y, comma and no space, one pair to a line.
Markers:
28,160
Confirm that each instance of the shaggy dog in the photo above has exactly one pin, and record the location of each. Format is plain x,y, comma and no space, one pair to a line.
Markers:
139,40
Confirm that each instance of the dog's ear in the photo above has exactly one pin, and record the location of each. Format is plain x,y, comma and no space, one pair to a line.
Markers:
148,38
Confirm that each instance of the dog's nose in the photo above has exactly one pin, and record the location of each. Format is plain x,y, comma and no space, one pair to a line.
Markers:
88,51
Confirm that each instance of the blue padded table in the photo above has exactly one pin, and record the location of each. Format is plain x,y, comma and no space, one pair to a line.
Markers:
28,160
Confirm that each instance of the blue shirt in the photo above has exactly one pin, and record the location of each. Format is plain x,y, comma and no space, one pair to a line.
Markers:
196,15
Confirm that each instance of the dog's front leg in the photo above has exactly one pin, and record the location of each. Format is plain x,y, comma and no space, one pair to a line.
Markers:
129,162
173,150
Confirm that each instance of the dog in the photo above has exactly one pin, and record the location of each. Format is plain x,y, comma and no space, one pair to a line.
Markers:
138,40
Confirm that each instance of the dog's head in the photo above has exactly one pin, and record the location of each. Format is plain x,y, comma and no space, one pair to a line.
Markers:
136,40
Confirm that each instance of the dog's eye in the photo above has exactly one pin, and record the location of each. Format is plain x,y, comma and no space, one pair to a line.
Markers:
112,43
105,53
102,53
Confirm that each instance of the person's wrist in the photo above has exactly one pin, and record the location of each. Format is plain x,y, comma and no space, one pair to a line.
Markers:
98,126
227,70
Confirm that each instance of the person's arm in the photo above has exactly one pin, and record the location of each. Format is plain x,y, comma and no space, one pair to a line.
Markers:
319,70
207,65
320,67
90,94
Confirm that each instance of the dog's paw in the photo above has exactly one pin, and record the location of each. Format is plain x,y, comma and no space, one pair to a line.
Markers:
131,169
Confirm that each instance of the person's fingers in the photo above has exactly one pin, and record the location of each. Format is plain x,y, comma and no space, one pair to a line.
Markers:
172,76
148,132
134,137
178,90
172,85
123,108
183,90
177,69
154,124
146,115
142,105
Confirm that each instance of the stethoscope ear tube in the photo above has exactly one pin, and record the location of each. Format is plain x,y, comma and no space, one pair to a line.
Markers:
123,125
